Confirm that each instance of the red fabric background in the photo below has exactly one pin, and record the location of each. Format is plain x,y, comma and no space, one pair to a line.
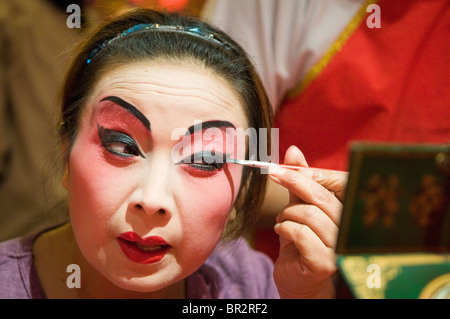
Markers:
389,84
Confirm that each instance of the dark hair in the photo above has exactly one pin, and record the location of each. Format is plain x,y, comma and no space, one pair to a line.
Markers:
228,61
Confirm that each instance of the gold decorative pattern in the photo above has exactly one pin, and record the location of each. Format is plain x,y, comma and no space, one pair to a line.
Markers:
355,269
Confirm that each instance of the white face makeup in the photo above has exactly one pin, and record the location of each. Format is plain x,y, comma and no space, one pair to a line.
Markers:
142,221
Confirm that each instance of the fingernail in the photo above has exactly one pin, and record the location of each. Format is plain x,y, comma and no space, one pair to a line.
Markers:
274,169
274,172
276,227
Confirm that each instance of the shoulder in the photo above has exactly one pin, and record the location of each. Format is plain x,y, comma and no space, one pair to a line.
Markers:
17,275
235,270
15,249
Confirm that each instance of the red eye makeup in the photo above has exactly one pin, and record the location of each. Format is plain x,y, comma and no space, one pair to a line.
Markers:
130,109
207,139
118,124
206,145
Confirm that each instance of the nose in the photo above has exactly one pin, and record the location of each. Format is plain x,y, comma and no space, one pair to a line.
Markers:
153,194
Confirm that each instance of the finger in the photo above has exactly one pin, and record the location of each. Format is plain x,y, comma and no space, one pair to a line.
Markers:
308,191
314,218
334,181
294,156
318,258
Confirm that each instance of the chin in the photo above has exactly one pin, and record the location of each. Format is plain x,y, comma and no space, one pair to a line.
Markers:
141,285
147,282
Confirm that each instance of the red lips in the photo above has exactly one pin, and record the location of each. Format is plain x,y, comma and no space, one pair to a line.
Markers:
146,250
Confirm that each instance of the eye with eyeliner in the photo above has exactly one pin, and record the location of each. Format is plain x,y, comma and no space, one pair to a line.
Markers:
118,143
205,161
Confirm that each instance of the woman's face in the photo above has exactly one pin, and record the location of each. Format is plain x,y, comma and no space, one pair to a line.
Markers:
141,218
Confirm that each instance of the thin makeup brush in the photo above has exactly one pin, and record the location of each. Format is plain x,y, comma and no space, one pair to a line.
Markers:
267,165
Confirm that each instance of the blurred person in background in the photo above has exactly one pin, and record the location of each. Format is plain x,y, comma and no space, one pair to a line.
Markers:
35,47
34,38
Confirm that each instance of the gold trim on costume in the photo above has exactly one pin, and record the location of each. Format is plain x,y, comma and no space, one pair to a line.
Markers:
335,48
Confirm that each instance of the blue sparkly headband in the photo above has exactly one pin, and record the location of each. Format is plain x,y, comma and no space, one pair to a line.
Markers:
194,31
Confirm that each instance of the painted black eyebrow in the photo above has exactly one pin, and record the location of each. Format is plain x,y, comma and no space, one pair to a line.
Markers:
205,125
130,108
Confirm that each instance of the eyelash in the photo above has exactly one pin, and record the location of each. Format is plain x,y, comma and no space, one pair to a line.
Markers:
208,161
109,137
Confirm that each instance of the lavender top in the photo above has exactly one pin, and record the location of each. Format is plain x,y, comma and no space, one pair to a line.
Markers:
235,271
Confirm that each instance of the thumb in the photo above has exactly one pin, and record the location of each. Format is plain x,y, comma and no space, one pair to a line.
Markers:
294,156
